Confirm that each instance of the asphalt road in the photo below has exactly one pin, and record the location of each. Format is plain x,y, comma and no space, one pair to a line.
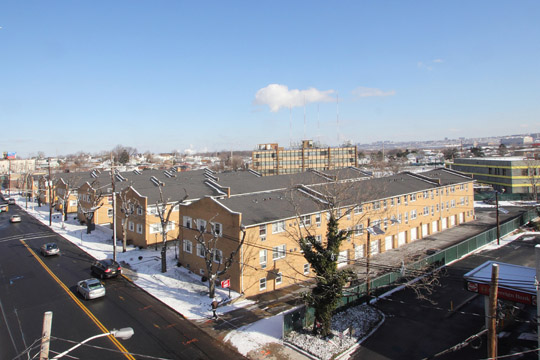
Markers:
31,284
419,329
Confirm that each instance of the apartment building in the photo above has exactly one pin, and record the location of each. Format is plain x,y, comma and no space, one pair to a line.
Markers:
271,213
270,159
514,175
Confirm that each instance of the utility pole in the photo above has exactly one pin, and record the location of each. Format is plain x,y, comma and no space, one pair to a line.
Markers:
114,208
497,216
50,195
537,252
368,249
46,336
492,329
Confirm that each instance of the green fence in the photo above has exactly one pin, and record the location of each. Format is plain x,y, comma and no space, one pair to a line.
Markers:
300,318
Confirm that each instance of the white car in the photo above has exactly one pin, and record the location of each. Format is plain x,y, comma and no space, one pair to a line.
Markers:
15,218
91,288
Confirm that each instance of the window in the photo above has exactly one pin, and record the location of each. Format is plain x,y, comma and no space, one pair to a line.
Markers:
218,256
405,199
413,214
201,225
305,220
384,204
425,194
109,199
278,252
318,219
426,210
139,228
139,210
318,238
385,223
398,200
358,229
279,278
462,201
155,228
217,229
262,283
437,207
262,258
176,208
188,246
392,202
152,210
413,197
200,250
306,269
406,217
110,212
262,232
453,203
73,203
131,226
432,210
376,205
278,227
358,209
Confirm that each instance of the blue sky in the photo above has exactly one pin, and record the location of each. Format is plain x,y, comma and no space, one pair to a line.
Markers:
170,75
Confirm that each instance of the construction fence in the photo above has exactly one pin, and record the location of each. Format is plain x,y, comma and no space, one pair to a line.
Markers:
304,316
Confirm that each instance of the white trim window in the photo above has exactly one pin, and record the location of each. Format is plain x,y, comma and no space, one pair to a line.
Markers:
278,226
217,229
139,210
358,209
176,208
187,222
110,212
426,210
306,269
139,228
109,199
262,258
131,226
262,232
188,246
318,219
200,250
201,225
413,214
155,228
318,238
278,252
358,229
262,284
218,256
72,202
152,210
279,278
305,220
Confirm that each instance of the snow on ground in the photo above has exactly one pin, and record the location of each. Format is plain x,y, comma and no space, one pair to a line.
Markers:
178,287
183,291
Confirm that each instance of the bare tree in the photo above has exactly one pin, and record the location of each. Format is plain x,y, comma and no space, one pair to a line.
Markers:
164,214
64,194
533,174
213,256
127,208
95,203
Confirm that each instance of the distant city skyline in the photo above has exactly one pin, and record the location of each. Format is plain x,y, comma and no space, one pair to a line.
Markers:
163,76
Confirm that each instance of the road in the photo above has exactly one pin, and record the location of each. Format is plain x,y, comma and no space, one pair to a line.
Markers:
32,284
416,329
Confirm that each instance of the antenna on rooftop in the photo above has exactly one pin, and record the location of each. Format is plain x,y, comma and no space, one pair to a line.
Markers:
337,116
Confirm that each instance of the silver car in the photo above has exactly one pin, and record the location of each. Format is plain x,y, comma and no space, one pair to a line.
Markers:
50,249
15,218
91,288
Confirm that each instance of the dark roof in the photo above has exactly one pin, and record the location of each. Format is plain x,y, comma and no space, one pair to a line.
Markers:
264,207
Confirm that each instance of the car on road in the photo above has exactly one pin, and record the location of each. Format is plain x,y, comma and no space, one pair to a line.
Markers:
106,268
49,249
15,218
91,288
11,201
4,207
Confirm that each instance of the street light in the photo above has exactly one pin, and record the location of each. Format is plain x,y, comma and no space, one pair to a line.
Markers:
124,334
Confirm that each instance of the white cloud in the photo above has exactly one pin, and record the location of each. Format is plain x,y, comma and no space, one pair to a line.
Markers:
438,60
278,96
366,92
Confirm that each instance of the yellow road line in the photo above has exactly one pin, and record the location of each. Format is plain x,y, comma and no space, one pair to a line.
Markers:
80,304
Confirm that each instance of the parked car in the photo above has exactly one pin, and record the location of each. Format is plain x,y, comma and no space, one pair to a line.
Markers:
106,268
91,288
11,201
4,208
15,218
50,249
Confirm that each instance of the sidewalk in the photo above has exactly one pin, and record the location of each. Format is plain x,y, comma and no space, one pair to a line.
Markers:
271,304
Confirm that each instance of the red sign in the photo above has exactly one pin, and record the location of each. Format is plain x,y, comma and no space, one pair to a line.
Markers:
502,293
226,283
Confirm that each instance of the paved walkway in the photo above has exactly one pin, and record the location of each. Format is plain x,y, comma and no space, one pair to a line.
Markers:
270,304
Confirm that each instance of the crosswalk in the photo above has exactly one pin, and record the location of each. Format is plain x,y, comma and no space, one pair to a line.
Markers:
28,236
